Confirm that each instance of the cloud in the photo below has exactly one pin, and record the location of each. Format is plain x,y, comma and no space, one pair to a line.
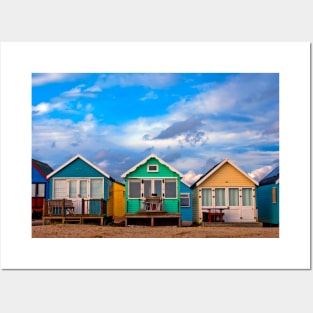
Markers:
45,107
150,80
190,177
43,79
78,92
178,128
151,95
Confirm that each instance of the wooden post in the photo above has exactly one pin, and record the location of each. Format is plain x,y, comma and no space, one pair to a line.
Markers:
101,207
44,207
83,206
63,206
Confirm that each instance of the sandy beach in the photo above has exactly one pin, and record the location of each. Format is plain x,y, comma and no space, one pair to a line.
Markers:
119,231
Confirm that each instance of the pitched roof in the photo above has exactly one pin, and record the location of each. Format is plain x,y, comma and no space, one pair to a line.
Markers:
78,156
270,178
42,167
148,158
215,168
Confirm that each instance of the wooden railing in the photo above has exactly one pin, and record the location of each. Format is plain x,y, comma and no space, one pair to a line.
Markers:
63,207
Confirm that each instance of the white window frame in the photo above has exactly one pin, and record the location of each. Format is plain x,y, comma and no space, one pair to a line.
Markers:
170,181
240,204
153,171
185,195
140,188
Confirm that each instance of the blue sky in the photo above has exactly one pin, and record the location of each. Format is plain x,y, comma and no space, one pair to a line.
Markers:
190,120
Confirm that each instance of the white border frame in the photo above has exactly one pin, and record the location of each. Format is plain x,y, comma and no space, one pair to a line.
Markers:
290,59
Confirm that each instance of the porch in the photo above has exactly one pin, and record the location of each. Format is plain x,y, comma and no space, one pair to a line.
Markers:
65,211
152,218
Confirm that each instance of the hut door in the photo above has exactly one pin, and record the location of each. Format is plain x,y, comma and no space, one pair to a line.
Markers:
77,192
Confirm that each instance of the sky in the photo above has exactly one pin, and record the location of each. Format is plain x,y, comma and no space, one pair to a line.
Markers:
190,120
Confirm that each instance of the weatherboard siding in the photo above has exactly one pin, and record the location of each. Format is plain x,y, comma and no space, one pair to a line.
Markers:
196,209
78,168
227,176
116,204
142,171
186,212
268,212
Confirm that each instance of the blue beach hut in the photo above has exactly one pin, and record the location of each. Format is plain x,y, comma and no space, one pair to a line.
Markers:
268,198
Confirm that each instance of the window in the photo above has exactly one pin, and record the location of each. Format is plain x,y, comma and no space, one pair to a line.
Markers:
220,197
206,197
134,189
153,168
246,196
96,188
233,196
147,191
170,188
38,190
185,200
152,187
60,189
274,195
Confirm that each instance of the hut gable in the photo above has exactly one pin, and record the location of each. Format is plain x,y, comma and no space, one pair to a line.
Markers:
78,166
152,166
225,173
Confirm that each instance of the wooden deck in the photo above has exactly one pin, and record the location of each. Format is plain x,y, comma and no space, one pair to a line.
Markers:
153,218
77,219
63,211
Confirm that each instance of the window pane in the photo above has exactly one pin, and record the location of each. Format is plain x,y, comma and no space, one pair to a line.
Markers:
134,189
73,193
220,197
184,200
147,188
33,190
83,189
158,187
41,190
206,197
60,189
246,196
233,196
170,189
274,195
96,189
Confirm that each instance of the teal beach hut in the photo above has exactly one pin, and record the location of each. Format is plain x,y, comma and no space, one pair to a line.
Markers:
268,198
82,182
152,186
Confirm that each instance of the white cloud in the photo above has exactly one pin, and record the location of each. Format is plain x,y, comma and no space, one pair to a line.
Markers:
42,79
259,173
45,107
190,177
151,95
77,92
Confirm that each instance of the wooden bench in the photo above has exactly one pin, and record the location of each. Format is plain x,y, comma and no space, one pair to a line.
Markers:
60,207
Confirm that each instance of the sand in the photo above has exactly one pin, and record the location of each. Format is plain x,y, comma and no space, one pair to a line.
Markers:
115,231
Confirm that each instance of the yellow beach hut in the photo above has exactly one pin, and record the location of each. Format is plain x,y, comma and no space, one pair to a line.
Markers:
116,203
225,194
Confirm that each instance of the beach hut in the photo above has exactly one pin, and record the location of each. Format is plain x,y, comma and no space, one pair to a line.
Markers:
83,185
117,201
40,186
185,204
152,192
268,198
224,194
